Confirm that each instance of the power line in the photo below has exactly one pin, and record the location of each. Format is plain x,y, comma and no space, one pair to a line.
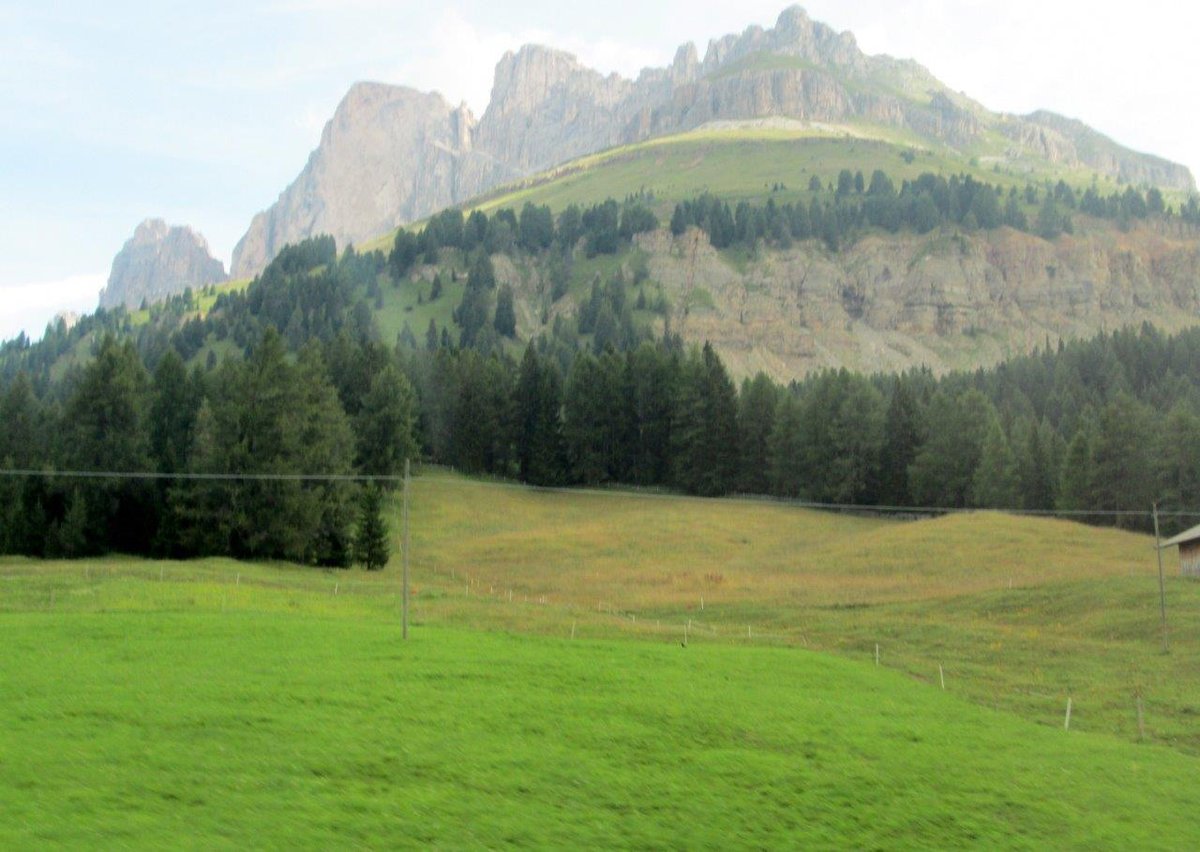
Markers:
832,507
225,477
615,492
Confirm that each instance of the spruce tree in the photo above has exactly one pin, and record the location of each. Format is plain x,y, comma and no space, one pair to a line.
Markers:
1036,479
385,428
756,418
785,452
994,485
1075,492
505,321
538,422
942,472
901,439
705,433
371,547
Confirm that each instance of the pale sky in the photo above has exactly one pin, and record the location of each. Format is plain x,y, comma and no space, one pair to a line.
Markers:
201,113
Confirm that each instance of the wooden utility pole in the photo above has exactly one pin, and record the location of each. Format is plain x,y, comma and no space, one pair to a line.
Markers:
404,555
1162,585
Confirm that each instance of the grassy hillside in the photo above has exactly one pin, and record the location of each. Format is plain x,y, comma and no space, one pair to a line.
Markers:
749,160
1020,613
254,729
545,699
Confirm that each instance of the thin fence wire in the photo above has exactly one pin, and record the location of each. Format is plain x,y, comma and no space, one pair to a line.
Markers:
622,492
675,627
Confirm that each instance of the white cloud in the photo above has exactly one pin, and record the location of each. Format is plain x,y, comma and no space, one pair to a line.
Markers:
460,58
30,306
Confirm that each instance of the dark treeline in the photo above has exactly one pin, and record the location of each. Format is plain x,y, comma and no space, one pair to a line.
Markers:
838,214
1108,424
266,415
1112,424
600,229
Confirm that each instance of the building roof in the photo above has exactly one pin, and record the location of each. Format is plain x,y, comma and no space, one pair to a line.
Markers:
1183,538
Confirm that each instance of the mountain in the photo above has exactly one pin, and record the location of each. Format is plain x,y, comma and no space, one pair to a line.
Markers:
159,261
391,155
900,301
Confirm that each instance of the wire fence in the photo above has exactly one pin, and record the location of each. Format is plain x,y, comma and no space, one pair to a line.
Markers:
494,600
625,491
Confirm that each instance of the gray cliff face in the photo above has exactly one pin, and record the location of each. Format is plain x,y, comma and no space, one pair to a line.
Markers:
157,262
388,155
546,109
392,155
1098,152
945,301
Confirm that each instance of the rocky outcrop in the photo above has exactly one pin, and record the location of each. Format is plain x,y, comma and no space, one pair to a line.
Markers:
392,155
157,262
1103,155
546,109
945,301
388,155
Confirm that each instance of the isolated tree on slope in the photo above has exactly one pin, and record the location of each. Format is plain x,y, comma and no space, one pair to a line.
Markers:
371,549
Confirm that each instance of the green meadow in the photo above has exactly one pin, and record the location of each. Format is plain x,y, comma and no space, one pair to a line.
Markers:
547,697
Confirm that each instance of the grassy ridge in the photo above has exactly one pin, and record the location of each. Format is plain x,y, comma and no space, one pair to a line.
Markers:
746,161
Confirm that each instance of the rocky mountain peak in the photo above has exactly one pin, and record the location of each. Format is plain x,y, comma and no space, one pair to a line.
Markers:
159,261
794,34
686,63
536,74
547,108
392,155
151,231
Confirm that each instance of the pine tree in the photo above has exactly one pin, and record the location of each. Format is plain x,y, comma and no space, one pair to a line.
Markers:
901,439
756,419
385,428
371,546
994,485
505,322
705,433
785,450
943,470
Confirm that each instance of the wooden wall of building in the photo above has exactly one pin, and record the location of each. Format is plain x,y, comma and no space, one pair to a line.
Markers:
1189,558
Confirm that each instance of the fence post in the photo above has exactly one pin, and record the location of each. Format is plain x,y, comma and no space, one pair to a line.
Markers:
404,556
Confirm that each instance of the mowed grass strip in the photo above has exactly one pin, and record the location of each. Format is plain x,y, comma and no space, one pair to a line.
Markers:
263,729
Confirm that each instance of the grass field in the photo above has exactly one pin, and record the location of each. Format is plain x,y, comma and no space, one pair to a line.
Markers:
545,698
